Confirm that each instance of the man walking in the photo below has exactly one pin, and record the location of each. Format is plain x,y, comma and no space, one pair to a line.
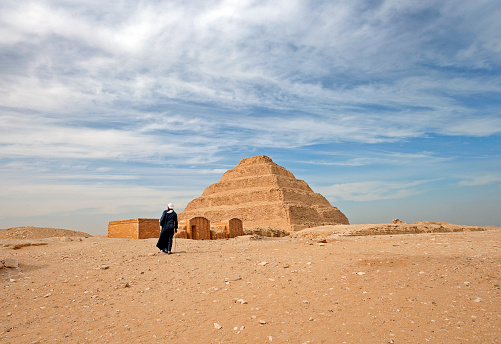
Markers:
168,221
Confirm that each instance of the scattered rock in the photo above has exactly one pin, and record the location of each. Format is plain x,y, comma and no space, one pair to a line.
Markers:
236,278
265,231
11,263
263,322
242,301
65,239
217,326
18,246
360,273
263,263
104,267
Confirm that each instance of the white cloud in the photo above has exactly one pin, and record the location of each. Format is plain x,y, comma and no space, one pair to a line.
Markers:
373,158
476,126
47,199
372,190
481,180
30,136
246,54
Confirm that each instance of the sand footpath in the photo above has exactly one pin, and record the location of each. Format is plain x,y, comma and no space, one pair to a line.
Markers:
405,288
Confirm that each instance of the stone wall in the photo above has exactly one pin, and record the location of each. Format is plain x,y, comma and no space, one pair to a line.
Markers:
232,228
198,228
134,229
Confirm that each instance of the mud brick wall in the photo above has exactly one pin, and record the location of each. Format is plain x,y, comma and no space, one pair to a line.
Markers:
134,229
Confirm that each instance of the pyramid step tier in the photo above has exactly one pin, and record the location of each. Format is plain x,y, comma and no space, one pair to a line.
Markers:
239,197
262,181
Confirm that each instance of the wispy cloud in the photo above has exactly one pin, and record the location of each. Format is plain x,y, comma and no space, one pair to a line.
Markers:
481,180
367,158
60,198
373,190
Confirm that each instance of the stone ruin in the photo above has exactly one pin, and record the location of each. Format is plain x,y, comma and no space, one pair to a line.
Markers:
134,229
200,228
197,228
262,193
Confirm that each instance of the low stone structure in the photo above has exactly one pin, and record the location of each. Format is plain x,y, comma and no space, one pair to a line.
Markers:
200,228
217,233
232,228
197,228
134,229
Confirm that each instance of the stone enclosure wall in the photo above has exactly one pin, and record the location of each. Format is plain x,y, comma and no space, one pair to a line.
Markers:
134,229
200,228
197,228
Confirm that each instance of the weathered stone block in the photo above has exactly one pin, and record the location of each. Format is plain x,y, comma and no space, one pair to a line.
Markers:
232,227
134,229
181,234
216,233
11,263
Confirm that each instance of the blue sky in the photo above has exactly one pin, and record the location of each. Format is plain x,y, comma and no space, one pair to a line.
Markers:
110,110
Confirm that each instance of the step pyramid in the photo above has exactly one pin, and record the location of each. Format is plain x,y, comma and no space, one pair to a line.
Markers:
262,193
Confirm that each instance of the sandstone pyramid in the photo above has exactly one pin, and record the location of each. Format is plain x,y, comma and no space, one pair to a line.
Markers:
262,193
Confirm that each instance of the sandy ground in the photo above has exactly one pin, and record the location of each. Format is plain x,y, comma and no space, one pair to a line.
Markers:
410,288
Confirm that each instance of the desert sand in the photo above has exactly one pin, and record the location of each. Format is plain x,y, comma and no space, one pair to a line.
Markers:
321,286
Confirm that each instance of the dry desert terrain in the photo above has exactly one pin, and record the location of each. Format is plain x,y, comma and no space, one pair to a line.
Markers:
317,287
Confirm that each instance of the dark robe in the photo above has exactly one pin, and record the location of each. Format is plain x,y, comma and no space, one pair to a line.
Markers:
169,224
